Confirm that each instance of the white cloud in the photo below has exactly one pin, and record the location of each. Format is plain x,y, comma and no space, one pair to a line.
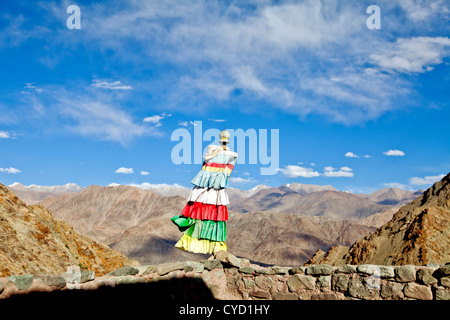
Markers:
4,135
241,180
342,172
419,54
367,156
183,123
394,153
423,10
217,120
351,155
156,119
395,185
153,119
268,51
31,88
125,170
292,171
110,85
10,170
426,180
145,173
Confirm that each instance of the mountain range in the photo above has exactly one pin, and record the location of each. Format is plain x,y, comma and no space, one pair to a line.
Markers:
136,222
283,225
33,194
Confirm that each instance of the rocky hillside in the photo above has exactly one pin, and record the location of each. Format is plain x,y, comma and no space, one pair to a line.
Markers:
33,241
418,233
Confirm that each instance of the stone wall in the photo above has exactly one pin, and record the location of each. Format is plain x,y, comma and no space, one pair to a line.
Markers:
228,277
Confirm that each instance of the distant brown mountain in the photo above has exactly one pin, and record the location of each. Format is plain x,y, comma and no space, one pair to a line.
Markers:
288,239
418,233
33,241
327,203
104,213
33,194
392,196
137,222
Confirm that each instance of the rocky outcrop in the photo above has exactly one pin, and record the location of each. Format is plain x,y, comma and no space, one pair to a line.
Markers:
418,233
227,277
32,241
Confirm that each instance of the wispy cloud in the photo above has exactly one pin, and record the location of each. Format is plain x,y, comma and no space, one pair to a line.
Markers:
217,120
31,88
342,172
4,135
101,120
395,185
420,11
293,171
242,180
84,111
110,85
268,51
304,58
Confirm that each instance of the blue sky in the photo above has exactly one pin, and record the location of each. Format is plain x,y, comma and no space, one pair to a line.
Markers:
358,109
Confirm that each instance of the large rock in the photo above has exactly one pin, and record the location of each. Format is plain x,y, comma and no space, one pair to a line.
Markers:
418,291
425,276
51,280
405,273
165,268
445,281
125,271
359,288
319,270
339,282
392,290
285,296
299,281
212,264
76,276
228,258
442,294
377,271
22,282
